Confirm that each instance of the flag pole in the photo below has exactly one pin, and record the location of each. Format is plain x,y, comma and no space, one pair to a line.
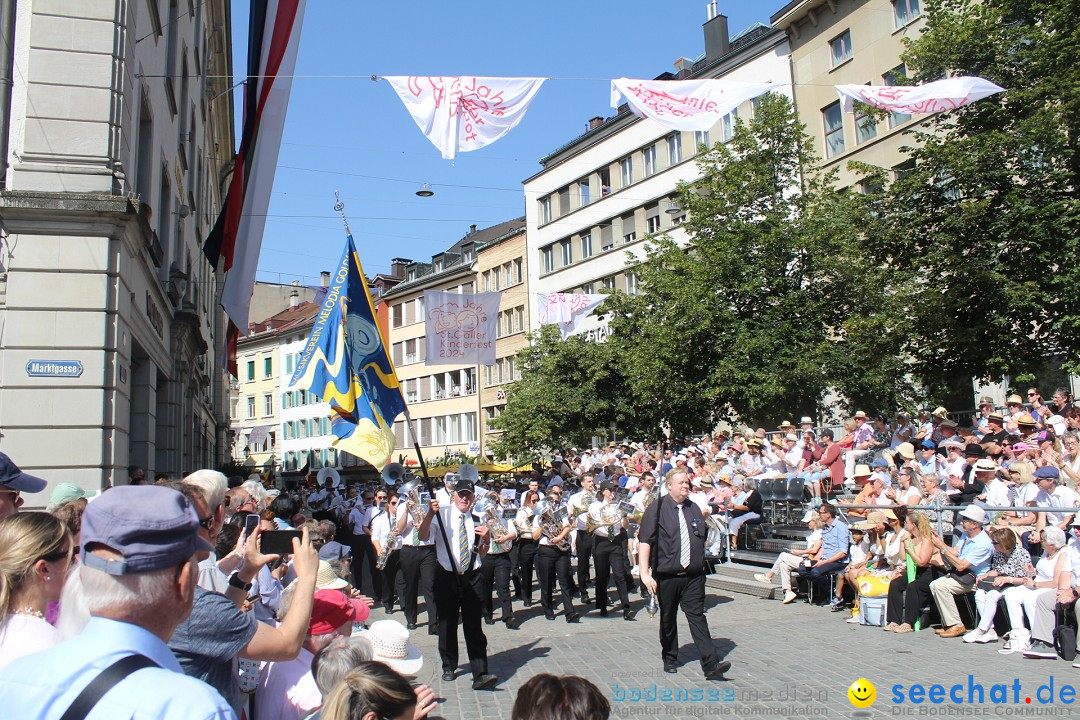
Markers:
339,206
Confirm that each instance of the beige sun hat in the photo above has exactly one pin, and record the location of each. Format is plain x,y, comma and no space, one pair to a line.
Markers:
327,579
390,644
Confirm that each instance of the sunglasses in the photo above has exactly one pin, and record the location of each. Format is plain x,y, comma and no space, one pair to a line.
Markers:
206,523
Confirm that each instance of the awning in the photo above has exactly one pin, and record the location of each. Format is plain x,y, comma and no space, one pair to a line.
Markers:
258,433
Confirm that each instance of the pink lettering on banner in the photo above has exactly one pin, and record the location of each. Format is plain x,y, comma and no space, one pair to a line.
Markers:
468,98
663,103
897,99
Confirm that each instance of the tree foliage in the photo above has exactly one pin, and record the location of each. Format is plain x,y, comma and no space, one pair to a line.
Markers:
979,240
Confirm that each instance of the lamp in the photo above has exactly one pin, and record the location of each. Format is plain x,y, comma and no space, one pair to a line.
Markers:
673,208
425,191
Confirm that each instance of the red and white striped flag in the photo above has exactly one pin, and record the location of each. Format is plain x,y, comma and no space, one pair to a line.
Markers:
234,244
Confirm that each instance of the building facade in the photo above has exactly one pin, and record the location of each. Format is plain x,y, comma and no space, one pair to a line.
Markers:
501,265
600,196
117,143
444,400
850,41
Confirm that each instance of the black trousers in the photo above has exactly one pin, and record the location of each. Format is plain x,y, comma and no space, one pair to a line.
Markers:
687,592
526,561
393,581
584,555
458,598
418,566
907,598
610,559
366,578
515,569
551,563
495,571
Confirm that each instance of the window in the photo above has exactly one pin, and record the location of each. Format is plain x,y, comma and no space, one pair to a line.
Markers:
516,272
251,370
727,125
564,200
288,363
833,116
905,11
567,253
519,318
865,125
652,224
545,210
285,404
268,367
397,314
650,160
631,284
904,169
609,282
607,240
586,246
840,48
674,149
701,137
626,170
587,288
268,405
547,256
410,351
251,406
893,77
583,192
629,229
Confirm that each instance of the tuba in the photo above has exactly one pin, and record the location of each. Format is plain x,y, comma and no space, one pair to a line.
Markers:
488,510
550,524
392,543
411,490
394,473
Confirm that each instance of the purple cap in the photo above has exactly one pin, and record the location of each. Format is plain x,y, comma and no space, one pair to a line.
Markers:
557,480
151,527
15,479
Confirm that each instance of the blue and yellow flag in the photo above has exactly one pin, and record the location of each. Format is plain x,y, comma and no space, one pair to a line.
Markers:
346,364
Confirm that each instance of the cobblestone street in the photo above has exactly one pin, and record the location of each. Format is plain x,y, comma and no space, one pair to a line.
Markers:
792,661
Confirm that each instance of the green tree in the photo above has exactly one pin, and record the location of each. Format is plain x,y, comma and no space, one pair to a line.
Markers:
978,241
563,399
772,303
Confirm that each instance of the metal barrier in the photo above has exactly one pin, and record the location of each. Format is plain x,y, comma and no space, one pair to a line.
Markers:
840,507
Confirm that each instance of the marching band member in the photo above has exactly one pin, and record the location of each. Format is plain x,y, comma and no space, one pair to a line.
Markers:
386,521
578,508
418,565
609,548
553,560
495,571
526,543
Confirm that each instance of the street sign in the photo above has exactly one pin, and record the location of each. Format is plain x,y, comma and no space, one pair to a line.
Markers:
54,368
474,447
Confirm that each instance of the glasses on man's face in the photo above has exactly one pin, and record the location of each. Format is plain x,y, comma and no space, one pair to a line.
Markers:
1031,394
206,523
380,498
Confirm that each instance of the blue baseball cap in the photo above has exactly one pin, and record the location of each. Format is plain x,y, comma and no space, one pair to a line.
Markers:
152,527
1047,472
928,445
555,481
13,478
880,463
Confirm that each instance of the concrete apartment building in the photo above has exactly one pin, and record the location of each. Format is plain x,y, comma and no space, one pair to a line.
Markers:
116,140
599,196
444,400
501,265
835,42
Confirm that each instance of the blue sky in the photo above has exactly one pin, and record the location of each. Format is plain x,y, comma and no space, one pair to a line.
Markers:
354,135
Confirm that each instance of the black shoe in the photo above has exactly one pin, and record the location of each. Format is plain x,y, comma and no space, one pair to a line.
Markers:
448,676
603,612
670,668
528,602
574,617
549,615
390,610
411,626
433,630
486,681
716,672
628,614
511,622
585,599
489,621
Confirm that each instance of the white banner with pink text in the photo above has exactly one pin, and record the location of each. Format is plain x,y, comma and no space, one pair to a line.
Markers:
565,309
933,97
460,328
685,104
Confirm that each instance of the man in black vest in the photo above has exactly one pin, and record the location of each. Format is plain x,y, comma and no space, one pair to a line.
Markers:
675,528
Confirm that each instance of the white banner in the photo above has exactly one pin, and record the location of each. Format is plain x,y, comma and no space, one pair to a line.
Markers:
685,104
934,97
460,328
565,309
459,114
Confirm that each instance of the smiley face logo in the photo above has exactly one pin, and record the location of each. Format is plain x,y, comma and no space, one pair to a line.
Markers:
862,693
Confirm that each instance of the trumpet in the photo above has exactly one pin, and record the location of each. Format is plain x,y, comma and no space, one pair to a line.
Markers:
392,543
411,490
552,523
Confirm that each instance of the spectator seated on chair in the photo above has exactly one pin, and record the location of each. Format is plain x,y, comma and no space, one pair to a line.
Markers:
968,559
867,495
858,557
835,540
788,561
1052,569
743,508
906,597
1009,562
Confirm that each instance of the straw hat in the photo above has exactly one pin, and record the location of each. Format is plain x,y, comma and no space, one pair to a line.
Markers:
327,579
862,471
390,644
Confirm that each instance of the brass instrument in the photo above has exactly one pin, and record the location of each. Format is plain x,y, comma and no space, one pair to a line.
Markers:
411,490
611,514
488,510
635,517
552,522
392,543
394,473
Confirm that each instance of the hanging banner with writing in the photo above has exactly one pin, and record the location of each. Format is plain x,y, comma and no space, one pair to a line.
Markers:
460,328
565,309
685,104
459,114
933,97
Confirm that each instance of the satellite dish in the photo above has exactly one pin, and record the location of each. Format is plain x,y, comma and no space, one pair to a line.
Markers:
331,474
